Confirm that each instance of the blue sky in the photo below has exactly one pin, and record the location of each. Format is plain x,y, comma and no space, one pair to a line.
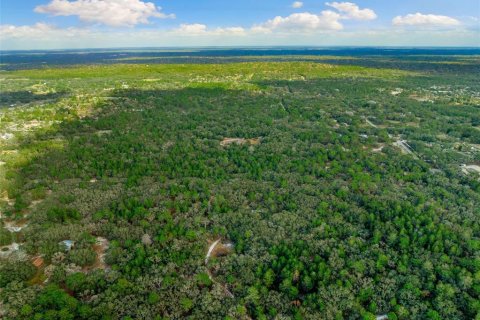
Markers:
50,24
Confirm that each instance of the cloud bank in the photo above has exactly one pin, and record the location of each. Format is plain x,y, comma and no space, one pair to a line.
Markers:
419,19
202,29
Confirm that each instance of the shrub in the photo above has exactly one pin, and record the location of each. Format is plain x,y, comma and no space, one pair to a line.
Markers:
63,214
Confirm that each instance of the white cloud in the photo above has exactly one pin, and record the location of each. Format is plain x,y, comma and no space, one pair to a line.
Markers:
46,32
114,13
352,11
201,29
195,28
301,28
230,31
11,31
326,20
297,4
426,20
41,31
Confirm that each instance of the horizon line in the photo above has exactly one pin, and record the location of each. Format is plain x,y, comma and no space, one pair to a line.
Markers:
247,47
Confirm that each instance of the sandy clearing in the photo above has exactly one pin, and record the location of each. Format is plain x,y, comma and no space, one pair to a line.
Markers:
6,136
239,141
12,250
103,132
396,92
32,125
101,247
9,151
421,98
15,226
467,169
35,203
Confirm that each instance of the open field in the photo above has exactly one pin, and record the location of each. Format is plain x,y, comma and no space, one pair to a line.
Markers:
335,187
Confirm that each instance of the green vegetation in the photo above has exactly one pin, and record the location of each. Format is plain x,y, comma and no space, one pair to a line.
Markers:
334,191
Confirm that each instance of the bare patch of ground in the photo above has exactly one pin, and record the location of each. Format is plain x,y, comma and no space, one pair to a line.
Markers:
9,151
12,251
396,91
467,169
412,124
475,147
421,98
379,148
35,203
404,146
167,145
100,247
103,132
218,249
210,249
32,124
15,226
6,136
239,141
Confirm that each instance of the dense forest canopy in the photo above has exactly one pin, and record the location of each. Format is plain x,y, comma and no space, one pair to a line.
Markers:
273,187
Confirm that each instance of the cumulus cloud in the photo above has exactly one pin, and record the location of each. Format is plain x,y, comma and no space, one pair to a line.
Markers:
297,4
352,11
114,13
426,20
326,20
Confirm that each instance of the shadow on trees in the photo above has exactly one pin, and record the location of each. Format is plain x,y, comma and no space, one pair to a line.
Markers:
163,134
9,98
